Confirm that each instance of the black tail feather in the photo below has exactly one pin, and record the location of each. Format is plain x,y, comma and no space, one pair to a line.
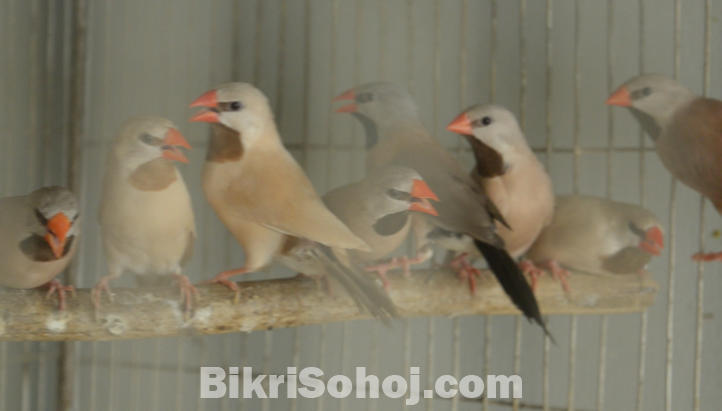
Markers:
513,282
360,286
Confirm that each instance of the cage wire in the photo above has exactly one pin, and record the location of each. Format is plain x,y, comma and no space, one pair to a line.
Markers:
551,62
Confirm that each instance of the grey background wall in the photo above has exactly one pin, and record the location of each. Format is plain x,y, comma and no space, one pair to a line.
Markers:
551,62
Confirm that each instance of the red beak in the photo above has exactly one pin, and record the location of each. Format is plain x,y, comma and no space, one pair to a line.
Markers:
172,140
348,108
620,98
58,227
653,242
420,190
207,99
461,125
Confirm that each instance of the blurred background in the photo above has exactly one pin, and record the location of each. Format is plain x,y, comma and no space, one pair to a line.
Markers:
72,71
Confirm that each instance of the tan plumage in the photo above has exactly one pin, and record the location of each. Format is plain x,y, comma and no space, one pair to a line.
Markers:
40,233
256,187
509,173
686,130
146,217
598,236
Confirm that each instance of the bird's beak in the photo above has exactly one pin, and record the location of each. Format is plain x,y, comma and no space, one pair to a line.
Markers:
349,94
461,125
421,192
207,99
620,98
57,227
173,139
653,242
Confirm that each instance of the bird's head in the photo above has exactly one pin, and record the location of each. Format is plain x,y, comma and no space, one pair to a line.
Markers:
238,106
57,218
647,233
146,138
655,95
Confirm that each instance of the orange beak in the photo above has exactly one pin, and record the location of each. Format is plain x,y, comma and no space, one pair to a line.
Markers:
348,108
206,116
207,99
620,98
421,191
58,227
173,138
461,125
653,242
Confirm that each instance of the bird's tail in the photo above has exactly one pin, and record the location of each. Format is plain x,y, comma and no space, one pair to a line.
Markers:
364,291
513,282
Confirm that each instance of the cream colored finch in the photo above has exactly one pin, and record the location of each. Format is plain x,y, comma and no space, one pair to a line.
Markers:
686,130
510,174
39,236
146,218
262,195
596,236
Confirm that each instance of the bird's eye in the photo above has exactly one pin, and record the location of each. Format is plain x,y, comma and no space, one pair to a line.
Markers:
646,91
364,98
235,106
484,121
636,230
150,140
397,194
41,217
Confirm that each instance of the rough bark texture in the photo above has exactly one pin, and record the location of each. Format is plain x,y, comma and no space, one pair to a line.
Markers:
158,312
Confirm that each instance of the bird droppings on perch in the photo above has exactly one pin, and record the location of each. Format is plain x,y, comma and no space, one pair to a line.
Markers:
156,312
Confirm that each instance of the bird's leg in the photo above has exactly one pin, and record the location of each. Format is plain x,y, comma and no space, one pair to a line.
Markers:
380,270
404,262
534,272
560,274
187,291
97,291
466,271
54,286
707,257
222,278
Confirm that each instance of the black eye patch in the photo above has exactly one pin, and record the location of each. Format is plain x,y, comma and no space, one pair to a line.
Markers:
398,195
643,92
364,98
41,217
146,138
636,230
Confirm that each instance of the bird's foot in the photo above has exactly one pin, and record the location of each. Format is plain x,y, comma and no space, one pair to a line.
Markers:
97,292
222,278
560,274
55,286
707,257
187,291
380,270
528,268
466,271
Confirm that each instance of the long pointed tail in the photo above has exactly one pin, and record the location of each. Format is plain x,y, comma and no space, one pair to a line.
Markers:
513,282
362,288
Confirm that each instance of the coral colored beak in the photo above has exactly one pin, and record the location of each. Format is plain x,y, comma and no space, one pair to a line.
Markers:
207,99
58,227
174,138
421,193
620,98
348,108
653,242
206,116
461,125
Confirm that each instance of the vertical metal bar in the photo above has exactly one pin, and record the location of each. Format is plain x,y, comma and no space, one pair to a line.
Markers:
26,385
642,201
492,94
75,134
180,361
672,232
702,226
3,375
463,78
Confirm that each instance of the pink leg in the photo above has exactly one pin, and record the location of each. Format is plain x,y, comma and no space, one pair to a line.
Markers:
560,274
534,272
404,262
222,278
380,270
707,257
466,271
187,291
97,292
54,286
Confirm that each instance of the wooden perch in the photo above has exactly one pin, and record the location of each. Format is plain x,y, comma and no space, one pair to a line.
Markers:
158,312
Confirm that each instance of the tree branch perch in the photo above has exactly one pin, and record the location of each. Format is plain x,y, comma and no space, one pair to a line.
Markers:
158,312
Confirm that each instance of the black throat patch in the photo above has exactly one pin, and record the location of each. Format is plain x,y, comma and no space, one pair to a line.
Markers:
391,224
37,249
